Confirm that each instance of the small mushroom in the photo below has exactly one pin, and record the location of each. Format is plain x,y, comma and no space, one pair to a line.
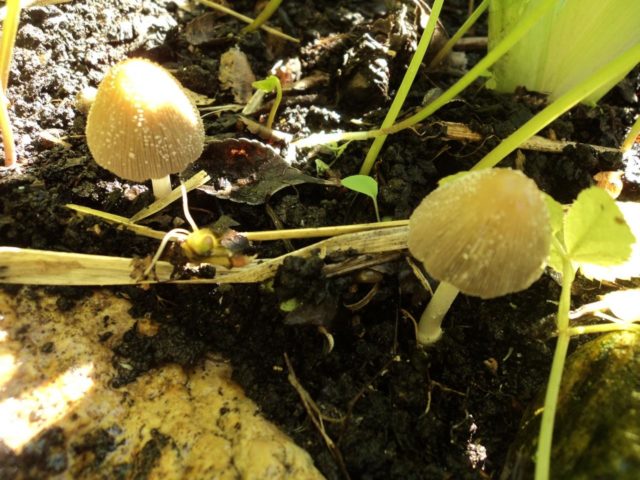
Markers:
142,125
486,234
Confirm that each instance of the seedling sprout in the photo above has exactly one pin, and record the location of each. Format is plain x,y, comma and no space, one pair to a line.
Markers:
270,84
366,185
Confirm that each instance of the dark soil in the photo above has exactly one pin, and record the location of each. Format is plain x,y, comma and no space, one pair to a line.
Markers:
447,412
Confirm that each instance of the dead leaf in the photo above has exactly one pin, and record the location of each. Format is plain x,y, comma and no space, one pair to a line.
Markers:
248,171
235,74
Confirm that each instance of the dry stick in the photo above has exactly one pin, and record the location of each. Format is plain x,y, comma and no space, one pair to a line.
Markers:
461,132
40,267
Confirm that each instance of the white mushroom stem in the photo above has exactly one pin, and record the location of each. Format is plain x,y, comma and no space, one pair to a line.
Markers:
161,186
429,328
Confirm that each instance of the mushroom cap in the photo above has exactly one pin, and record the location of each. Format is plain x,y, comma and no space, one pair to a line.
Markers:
142,124
487,233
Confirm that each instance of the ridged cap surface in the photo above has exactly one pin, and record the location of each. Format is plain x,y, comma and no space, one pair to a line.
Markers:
142,125
487,233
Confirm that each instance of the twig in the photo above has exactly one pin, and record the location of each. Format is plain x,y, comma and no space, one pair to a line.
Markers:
461,132
40,267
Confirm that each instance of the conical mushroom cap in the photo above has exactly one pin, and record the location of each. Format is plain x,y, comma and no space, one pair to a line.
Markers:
142,125
486,233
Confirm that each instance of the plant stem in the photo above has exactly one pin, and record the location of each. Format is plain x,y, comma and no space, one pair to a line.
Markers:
276,104
603,328
405,86
429,328
622,63
7,133
269,9
473,18
631,137
9,30
545,436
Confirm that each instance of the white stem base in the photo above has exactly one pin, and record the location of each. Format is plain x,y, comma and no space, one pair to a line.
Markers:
429,330
161,187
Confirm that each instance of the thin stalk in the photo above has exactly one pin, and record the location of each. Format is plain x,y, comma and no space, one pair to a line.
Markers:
603,328
473,18
9,30
545,436
621,64
405,86
631,137
292,233
269,9
8,142
276,104
244,18
429,329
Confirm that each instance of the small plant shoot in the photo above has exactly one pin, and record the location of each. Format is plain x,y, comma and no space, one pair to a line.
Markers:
269,85
366,185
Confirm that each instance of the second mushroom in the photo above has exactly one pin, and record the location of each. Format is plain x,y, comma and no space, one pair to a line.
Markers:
485,234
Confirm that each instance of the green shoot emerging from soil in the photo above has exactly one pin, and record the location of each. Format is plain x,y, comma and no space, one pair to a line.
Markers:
269,85
366,185
592,232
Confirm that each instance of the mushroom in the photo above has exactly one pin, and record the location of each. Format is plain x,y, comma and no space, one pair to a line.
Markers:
142,125
485,234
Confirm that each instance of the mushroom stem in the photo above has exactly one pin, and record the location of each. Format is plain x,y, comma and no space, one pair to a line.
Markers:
161,187
429,330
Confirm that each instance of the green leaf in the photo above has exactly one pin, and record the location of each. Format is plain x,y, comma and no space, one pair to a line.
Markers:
321,167
595,231
556,219
289,305
361,184
269,84
556,214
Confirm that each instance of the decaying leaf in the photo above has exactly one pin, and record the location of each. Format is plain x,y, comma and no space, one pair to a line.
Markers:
235,74
248,171
208,29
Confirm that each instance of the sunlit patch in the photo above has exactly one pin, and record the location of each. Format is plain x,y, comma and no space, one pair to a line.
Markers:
7,364
25,416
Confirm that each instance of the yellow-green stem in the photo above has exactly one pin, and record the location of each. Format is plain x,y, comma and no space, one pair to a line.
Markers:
269,9
545,436
473,18
7,133
631,137
9,30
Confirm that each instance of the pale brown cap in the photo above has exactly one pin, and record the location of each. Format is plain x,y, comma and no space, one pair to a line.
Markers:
486,233
142,125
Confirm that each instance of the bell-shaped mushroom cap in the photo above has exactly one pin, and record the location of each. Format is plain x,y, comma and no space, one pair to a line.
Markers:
142,125
486,233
